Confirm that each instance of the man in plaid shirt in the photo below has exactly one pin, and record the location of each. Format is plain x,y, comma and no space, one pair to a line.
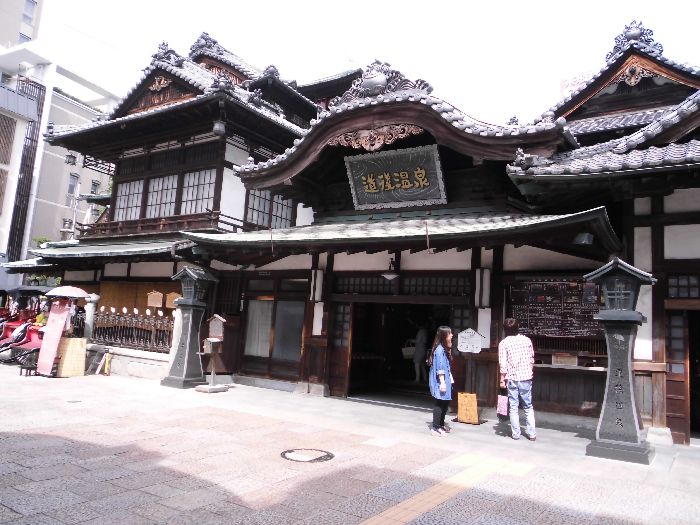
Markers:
516,357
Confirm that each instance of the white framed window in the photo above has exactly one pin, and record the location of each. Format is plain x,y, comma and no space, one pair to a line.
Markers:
128,203
198,191
161,197
73,180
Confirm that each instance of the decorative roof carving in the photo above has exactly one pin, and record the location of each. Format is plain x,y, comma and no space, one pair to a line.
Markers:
634,32
165,54
377,79
513,121
633,73
255,98
271,71
374,139
159,83
222,82
205,42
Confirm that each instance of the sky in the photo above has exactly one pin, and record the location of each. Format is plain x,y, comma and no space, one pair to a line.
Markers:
492,60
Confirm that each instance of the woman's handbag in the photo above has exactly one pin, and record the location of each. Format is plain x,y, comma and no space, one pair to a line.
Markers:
502,404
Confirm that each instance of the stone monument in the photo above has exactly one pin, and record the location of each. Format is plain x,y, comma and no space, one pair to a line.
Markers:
618,434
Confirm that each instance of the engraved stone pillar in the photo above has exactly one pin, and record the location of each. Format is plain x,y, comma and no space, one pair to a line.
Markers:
186,368
90,307
618,434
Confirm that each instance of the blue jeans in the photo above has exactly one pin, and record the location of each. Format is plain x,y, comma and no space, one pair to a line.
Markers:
521,390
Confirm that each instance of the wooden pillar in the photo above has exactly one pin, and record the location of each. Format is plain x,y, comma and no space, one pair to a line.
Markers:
658,321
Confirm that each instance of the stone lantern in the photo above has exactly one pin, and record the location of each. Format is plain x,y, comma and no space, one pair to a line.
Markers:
618,433
186,368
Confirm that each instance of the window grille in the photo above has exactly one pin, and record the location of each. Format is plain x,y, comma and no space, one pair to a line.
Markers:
7,138
161,197
282,210
428,285
128,203
258,211
683,286
362,284
198,192
165,159
202,153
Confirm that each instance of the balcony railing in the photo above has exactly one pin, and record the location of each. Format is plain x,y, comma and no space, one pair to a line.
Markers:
141,332
159,225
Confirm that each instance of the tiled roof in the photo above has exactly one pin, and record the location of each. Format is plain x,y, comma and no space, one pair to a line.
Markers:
619,121
459,120
613,155
62,251
613,60
652,157
208,46
345,74
460,226
290,86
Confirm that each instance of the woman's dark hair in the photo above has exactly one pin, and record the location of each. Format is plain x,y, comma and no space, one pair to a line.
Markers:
511,326
440,339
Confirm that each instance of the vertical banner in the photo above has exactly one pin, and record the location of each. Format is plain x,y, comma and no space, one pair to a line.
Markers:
52,335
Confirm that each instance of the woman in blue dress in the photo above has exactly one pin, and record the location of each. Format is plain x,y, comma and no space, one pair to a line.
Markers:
440,378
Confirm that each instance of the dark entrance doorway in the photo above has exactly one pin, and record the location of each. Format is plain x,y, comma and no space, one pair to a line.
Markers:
694,362
382,366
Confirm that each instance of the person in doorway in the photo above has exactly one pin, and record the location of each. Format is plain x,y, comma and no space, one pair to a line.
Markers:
440,378
516,357
421,344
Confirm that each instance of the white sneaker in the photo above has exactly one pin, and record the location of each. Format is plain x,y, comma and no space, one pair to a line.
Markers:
437,432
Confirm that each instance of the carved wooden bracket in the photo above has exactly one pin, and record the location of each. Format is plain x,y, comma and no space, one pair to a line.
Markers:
374,139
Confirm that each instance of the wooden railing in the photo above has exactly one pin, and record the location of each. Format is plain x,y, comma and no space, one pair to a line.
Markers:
141,332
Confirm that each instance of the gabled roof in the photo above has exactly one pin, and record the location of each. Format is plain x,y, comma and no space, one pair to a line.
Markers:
384,96
272,77
631,119
209,47
624,153
634,41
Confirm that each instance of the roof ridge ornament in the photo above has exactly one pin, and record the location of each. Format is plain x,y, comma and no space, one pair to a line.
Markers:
205,42
378,78
271,71
165,54
222,82
634,32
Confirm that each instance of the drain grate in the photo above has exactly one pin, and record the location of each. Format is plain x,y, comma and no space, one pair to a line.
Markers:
307,455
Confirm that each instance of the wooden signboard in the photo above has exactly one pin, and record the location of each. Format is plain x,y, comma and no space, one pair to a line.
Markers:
467,409
556,308
52,336
154,299
170,299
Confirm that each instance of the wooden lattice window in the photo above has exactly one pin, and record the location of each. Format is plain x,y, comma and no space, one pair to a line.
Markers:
259,202
430,285
461,318
362,284
684,286
128,203
341,328
198,191
161,196
282,212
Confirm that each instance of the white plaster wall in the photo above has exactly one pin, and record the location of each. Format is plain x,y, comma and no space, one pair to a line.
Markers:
682,200
682,241
305,215
361,261
487,258
232,195
642,249
151,269
116,269
447,260
79,276
293,262
484,326
236,155
642,206
643,346
528,258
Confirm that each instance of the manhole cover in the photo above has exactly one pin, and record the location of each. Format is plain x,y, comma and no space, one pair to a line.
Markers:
307,455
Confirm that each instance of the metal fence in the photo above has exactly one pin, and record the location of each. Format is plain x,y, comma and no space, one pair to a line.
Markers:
141,332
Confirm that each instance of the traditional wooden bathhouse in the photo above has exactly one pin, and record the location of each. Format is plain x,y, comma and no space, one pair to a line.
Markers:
420,214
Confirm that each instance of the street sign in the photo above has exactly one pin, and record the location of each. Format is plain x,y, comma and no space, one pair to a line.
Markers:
469,341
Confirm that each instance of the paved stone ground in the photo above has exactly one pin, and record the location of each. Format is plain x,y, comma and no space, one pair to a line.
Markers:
117,450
